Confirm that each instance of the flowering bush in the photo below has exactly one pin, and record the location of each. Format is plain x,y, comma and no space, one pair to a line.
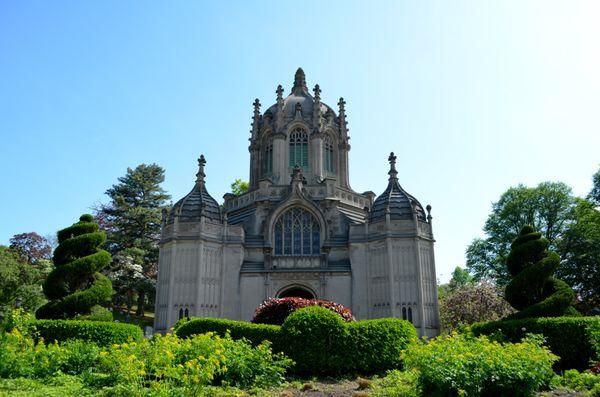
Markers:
194,362
475,366
276,310
471,303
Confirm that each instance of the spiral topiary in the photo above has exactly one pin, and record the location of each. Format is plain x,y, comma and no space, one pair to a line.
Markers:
75,286
532,290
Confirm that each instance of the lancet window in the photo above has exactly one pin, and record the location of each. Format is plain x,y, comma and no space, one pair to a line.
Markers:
297,233
328,155
299,149
267,160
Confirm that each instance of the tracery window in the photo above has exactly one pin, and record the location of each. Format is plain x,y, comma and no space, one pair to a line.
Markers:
297,233
299,149
267,163
328,155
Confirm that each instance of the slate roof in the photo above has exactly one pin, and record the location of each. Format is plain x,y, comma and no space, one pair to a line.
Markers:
196,204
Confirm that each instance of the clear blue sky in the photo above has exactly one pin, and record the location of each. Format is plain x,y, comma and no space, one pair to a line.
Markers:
473,97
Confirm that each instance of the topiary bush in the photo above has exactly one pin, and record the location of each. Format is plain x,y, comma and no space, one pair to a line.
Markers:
101,333
315,338
276,310
462,365
576,340
532,290
255,333
75,286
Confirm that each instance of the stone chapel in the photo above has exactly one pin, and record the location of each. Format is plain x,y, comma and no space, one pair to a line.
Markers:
299,230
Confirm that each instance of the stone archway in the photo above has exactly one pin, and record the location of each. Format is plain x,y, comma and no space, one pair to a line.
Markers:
296,291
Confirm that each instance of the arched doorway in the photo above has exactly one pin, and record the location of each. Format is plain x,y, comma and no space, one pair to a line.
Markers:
296,292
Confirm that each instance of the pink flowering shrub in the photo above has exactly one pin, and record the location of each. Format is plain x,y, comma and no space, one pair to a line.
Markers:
276,310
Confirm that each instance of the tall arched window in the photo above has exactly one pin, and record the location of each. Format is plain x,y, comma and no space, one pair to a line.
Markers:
328,155
267,160
299,149
297,233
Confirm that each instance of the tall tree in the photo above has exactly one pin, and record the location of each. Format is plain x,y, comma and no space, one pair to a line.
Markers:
19,280
547,207
594,195
31,247
132,219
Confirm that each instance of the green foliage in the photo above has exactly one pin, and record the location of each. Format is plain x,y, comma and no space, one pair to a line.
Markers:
397,384
101,333
578,381
75,285
314,338
576,340
547,207
376,345
255,333
460,278
580,247
471,303
132,221
594,195
317,342
192,363
239,187
532,289
455,365
18,280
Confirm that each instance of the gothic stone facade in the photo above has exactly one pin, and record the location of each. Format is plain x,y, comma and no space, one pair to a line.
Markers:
300,230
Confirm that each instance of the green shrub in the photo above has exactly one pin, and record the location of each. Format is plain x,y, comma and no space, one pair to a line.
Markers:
255,333
315,338
464,365
575,380
376,345
101,333
576,340
397,384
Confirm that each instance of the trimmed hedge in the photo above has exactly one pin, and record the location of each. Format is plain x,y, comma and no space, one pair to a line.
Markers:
319,341
376,345
102,333
576,340
255,333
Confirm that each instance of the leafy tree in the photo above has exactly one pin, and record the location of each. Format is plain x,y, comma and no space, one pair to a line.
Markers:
532,289
132,219
31,247
18,280
580,244
75,287
459,278
472,302
594,195
239,187
547,207
127,272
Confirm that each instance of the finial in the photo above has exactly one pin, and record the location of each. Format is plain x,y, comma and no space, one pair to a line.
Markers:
317,91
256,107
342,105
279,92
201,175
428,208
392,173
300,81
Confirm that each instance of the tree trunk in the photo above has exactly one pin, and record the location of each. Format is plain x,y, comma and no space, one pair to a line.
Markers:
140,303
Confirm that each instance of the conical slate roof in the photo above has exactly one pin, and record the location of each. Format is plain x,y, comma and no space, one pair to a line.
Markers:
395,200
197,203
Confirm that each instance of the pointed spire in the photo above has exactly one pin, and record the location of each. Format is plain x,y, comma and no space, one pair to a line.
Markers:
300,82
317,91
201,175
392,173
342,117
255,118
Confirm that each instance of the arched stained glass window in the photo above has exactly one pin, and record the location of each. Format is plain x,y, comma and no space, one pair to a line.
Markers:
297,233
410,314
299,149
328,155
267,160
180,313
